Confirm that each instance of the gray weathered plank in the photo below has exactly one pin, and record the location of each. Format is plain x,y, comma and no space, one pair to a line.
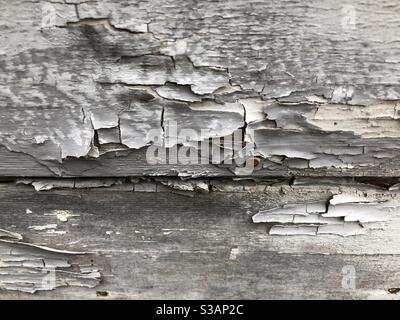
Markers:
167,245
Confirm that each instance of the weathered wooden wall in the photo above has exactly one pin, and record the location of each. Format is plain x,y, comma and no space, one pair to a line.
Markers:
90,90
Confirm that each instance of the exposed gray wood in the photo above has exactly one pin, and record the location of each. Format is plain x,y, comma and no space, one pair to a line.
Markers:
166,245
134,163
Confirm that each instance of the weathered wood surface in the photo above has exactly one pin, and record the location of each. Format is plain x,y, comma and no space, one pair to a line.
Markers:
314,85
96,96
167,245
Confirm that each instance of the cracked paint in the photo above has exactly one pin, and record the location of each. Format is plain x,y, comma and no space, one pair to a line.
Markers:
30,268
343,214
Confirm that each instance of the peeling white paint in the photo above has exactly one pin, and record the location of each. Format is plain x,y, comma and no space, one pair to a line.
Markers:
43,227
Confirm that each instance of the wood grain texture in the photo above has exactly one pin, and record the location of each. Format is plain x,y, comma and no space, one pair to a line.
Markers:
166,245
133,120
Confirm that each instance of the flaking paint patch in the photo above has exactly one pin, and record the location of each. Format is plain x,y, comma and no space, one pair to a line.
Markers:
10,235
62,215
47,184
234,253
28,267
43,227
342,214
